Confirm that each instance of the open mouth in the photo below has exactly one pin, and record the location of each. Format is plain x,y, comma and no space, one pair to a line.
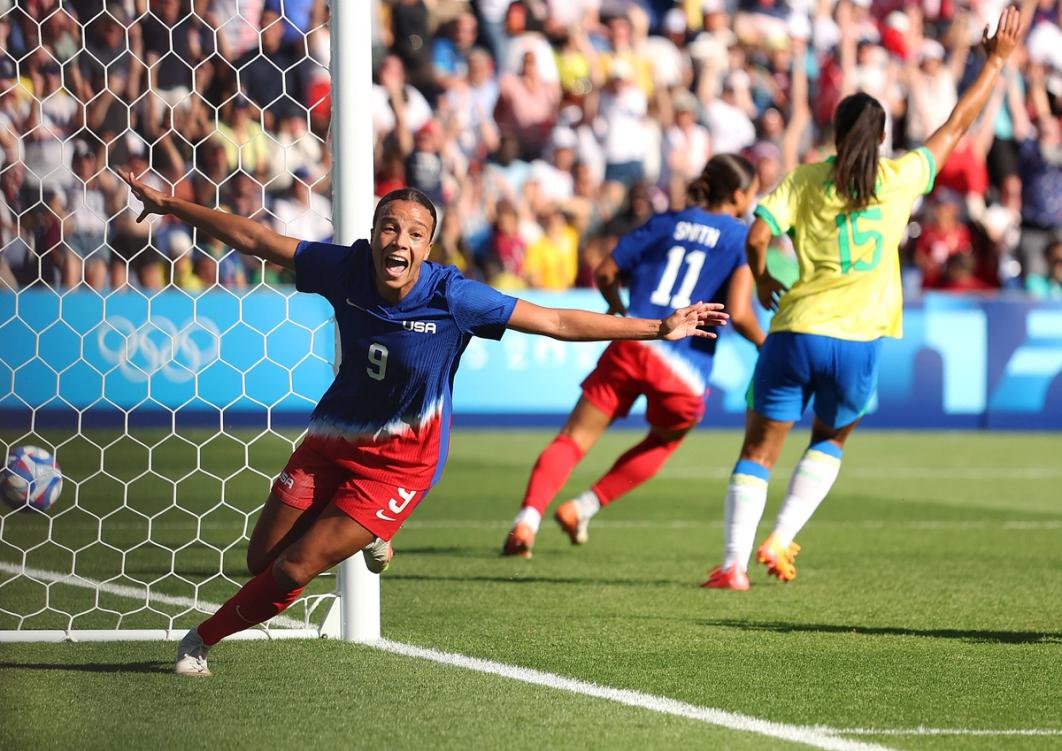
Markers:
395,265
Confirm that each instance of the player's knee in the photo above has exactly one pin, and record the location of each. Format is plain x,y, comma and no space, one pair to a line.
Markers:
256,562
760,454
666,436
292,572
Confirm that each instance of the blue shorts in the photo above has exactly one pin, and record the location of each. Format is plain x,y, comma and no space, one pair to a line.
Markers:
841,374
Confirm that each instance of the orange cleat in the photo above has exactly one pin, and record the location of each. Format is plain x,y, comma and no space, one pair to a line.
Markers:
727,578
519,541
567,516
779,559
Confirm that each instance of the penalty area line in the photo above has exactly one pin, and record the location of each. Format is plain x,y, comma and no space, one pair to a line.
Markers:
817,737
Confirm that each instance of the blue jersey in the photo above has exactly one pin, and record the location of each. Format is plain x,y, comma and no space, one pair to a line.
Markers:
390,403
675,259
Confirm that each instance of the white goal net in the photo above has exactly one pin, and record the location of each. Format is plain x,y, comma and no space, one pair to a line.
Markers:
167,375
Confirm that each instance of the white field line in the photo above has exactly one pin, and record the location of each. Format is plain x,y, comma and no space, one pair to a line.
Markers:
654,524
133,593
691,524
889,473
941,731
817,737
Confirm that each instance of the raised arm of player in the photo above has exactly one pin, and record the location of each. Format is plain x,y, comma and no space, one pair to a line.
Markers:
572,325
243,234
607,278
997,49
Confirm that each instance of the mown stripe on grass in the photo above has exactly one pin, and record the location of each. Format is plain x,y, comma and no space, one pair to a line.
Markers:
817,737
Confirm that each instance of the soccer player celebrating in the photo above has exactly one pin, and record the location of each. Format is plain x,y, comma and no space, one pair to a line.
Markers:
847,216
377,440
696,253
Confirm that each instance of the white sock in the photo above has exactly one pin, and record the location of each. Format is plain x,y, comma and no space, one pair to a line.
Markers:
530,517
812,479
588,504
746,496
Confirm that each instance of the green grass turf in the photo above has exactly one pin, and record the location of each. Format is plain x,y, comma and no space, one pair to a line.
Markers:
929,594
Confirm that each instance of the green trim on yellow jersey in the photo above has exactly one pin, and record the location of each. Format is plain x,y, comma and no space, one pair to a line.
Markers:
763,213
932,169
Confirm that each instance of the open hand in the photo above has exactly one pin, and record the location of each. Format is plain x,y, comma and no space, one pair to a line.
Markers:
1003,42
151,198
689,320
769,291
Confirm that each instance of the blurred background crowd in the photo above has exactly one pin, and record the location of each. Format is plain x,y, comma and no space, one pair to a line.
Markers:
543,129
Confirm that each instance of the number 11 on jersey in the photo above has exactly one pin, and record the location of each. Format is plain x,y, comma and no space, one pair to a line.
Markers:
694,262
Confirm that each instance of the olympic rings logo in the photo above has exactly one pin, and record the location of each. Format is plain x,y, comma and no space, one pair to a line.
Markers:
159,346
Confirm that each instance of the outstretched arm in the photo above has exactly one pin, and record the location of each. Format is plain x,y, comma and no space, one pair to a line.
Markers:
974,99
243,234
572,325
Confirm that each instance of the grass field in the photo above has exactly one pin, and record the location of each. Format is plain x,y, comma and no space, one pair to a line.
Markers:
927,613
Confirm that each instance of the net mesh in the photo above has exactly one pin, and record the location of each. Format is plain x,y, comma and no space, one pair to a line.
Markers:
165,373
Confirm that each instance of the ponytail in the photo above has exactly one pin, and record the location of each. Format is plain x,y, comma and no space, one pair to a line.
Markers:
859,123
724,174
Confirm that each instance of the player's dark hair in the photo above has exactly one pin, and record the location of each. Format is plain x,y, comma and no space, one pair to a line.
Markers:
407,194
858,125
723,174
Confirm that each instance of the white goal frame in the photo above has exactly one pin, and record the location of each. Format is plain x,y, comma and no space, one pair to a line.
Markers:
353,614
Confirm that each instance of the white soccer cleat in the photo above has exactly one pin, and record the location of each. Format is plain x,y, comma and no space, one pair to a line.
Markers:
191,655
377,555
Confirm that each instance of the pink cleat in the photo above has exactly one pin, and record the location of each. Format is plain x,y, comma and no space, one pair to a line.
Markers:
727,578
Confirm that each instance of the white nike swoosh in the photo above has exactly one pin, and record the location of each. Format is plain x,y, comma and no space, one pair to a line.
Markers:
355,305
385,517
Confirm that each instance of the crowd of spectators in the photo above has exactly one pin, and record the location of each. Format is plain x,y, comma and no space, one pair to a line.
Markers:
543,129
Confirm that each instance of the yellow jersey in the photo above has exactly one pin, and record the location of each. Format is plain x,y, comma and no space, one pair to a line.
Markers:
849,285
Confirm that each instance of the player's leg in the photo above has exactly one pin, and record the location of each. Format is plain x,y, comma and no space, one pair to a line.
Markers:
672,412
584,426
812,479
848,376
300,492
278,526
776,398
299,495
360,512
746,497
608,392
631,469
332,537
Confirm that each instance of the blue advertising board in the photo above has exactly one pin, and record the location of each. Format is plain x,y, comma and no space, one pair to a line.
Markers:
964,362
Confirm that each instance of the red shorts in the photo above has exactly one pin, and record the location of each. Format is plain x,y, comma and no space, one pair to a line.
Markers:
314,478
627,370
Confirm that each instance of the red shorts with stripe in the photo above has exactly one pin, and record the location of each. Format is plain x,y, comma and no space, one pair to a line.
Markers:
627,370
314,477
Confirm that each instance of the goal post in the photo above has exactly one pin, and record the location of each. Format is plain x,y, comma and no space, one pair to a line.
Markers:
352,209
169,408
